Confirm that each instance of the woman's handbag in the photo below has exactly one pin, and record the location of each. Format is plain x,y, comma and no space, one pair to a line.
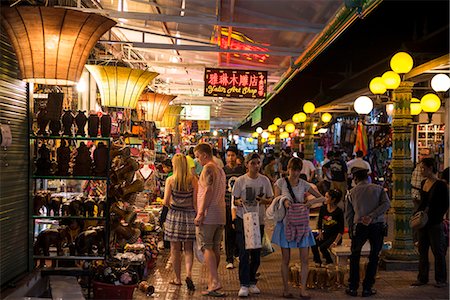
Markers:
252,231
419,219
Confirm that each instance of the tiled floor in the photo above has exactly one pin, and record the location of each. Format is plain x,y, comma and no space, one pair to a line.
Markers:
390,284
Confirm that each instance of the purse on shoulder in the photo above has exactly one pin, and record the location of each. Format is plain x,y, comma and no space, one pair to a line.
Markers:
419,219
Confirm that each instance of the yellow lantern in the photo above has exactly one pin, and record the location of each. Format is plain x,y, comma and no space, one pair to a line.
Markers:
377,86
259,130
272,128
391,80
284,135
255,135
290,128
250,140
309,107
171,117
302,117
430,103
326,117
401,63
277,121
154,105
415,107
263,140
296,118
271,141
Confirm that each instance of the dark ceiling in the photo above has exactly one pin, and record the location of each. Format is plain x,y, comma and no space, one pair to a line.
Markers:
420,28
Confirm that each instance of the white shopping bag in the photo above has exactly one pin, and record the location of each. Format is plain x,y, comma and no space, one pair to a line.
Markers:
252,233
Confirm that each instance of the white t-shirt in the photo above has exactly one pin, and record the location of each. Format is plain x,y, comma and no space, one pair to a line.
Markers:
299,190
218,161
358,163
247,189
307,168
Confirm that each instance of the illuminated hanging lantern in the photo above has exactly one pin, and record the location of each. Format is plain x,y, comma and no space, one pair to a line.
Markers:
290,128
377,86
302,117
415,107
401,63
309,107
296,118
326,117
277,121
259,130
120,86
391,80
255,135
272,128
52,44
430,103
440,83
284,135
154,105
171,117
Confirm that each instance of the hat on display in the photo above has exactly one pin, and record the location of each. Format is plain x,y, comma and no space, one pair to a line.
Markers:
251,156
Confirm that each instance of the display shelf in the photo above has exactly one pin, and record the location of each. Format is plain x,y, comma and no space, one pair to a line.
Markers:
64,257
66,137
67,217
70,177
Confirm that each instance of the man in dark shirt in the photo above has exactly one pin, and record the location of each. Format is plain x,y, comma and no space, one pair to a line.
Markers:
232,171
338,169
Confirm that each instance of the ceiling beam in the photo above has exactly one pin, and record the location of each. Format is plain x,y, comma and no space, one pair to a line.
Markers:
198,48
197,20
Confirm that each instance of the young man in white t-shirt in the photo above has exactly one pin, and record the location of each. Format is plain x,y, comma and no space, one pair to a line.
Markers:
251,192
308,167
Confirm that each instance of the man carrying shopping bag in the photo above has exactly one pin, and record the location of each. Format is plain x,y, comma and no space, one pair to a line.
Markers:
251,193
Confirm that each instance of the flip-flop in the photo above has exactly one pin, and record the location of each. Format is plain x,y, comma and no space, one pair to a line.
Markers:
288,296
190,284
172,282
213,294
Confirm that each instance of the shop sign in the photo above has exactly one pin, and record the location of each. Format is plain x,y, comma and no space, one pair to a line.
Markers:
235,83
256,115
195,112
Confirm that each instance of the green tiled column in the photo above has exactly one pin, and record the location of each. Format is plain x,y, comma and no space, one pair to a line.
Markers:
309,139
402,166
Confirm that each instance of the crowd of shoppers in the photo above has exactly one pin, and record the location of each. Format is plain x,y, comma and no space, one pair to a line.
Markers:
205,199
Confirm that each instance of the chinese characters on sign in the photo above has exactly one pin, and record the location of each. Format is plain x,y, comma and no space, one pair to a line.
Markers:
235,83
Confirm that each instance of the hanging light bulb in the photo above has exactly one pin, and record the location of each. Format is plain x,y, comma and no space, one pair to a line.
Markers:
289,128
377,86
326,117
363,105
296,118
391,80
309,107
277,121
302,117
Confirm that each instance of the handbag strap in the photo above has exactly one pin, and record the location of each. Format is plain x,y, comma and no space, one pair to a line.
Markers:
290,189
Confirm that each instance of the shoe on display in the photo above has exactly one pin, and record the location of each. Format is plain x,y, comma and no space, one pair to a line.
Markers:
350,292
253,289
229,266
243,291
368,293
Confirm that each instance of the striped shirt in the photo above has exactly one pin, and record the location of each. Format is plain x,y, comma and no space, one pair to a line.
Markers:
215,210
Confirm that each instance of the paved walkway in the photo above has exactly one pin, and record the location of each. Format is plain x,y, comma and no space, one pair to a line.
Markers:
390,284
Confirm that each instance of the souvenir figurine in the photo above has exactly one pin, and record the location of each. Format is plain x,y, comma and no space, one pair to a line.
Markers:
67,120
80,121
93,124
105,125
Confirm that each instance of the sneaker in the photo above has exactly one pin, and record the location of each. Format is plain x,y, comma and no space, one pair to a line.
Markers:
253,289
441,284
418,283
353,293
243,291
229,266
368,293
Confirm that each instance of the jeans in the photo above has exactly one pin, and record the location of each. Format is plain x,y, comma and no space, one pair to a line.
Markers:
230,237
249,260
432,236
323,245
373,233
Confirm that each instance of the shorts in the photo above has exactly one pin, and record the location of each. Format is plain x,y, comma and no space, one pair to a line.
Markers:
209,236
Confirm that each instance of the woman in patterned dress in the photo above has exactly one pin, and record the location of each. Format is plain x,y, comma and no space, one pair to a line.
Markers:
180,197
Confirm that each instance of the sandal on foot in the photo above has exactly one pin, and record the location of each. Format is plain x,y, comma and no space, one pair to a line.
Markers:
173,282
190,284
213,294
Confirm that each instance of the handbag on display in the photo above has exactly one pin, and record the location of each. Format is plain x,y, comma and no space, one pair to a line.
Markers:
252,231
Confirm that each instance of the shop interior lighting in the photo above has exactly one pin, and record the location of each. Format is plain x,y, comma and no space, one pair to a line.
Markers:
171,117
120,86
47,49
